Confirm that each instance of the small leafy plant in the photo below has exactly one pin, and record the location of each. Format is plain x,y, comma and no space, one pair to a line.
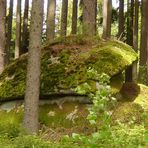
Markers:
99,117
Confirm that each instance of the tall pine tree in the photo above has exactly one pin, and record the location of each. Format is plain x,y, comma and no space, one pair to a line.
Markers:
33,68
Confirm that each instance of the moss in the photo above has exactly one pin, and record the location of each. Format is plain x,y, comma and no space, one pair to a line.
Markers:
12,80
72,116
75,40
142,76
128,111
142,98
65,64
116,83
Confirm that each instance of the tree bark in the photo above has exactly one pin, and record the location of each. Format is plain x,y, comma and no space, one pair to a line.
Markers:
130,8
144,34
2,34
33,68
18,29
64,14
9,33
89,17
136,25
25,34
51,19
121,19
107,14
135,39
74,16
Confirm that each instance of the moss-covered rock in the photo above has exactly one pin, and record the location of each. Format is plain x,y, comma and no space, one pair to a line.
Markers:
66,63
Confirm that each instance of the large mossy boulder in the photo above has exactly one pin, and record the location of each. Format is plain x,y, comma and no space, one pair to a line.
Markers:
67,62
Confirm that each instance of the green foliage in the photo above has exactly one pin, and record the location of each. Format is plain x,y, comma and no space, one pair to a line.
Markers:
99,98
99,109
29,141
24,141
107,134
10,123
120,135
70,115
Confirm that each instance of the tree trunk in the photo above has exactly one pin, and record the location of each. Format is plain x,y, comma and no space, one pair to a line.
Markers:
144,32
89,17
9,29
135,38
25,34
18,29
136,25
130,8
2,34
107,14
64,14
121,19
74,16
51,19
33,68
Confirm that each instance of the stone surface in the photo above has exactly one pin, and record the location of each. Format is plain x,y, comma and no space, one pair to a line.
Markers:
66,63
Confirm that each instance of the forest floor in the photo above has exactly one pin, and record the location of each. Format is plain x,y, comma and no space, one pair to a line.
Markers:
56,122
129,110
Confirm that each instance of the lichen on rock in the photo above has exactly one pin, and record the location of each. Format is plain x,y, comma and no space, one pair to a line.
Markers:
65,63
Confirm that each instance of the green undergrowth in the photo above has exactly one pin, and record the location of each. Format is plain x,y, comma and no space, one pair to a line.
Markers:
66,63
71,114
122,136
74,115
129,126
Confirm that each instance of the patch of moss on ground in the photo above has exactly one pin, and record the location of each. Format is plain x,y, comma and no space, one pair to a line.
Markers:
142,98
68,116
65,64
134,108
142,76
127,112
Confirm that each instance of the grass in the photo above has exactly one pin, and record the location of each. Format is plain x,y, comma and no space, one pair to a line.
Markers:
129,127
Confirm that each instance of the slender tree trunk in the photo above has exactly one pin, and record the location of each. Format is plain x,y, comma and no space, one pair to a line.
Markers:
64,14
130,22
74,16
144,44
142,75
135,38
130,8
2,34
25,34
51,19
107,14
9,29
33,68
18,30
121,19
89,17
136,25
144,34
